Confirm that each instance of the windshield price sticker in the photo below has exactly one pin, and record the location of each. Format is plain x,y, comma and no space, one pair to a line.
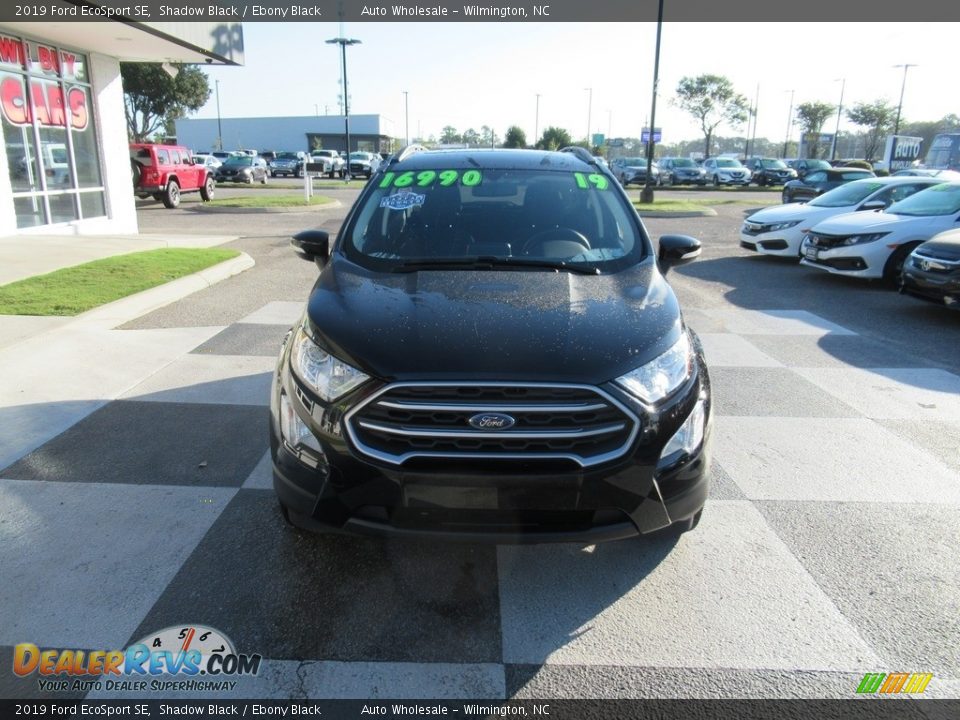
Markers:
426,178
584,182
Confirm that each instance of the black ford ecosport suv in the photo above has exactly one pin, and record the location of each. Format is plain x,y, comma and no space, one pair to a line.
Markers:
491,352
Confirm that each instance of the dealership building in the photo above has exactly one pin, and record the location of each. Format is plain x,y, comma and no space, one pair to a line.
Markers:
370,133
66,165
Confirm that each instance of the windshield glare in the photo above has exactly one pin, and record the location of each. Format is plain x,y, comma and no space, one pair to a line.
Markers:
849,194
442,214
773,164
938,200
728,163
239,161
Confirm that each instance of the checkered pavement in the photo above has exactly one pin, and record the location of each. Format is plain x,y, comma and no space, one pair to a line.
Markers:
827,550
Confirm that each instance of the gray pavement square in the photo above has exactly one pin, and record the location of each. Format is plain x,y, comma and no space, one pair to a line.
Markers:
209,379
291,595
811,351
153,443
771,391
245,339
83,563
892,570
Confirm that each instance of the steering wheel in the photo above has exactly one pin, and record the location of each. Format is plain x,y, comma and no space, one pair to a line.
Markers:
559,234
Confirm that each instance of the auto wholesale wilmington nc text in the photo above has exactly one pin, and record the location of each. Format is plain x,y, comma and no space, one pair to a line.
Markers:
468,709
497,11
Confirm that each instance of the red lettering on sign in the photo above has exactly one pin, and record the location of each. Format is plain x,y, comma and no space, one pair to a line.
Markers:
11,51
48,59
68,62
39,103
55,106
12,101
77,100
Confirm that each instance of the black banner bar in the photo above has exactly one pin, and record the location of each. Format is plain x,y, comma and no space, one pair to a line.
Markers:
232,11
875,708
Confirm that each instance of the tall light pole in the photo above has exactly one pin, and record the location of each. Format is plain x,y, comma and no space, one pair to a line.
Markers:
907,66
646,195
752,117
536,121
786,139
836,133
343,42
406,116
219,127
589,111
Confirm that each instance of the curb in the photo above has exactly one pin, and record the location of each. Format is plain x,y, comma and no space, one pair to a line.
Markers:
706,212
133,306
265,210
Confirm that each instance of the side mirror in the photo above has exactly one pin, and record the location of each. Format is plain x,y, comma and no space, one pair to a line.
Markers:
677,250
874,205
313,245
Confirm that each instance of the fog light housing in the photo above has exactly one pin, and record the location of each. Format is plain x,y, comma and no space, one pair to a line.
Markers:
296,435
688,438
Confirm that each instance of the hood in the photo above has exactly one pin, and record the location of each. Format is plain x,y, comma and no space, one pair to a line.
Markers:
863,222
785,213
945,246
494,324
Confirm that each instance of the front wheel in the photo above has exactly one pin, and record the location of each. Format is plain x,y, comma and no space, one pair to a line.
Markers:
207,189
171,196
894,267
786,197
716,181
263,180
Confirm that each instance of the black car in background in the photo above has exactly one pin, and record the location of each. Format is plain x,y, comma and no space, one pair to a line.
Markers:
806,165
681,171
817,182
932,270
769,171
243,168
491,352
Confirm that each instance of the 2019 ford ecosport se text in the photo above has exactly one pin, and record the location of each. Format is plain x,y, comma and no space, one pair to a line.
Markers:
491,352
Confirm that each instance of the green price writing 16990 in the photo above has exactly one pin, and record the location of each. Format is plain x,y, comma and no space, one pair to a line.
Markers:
426,178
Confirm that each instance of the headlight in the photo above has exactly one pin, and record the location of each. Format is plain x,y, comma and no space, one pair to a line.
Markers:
688,436
328,377
782,225
860,239
662,375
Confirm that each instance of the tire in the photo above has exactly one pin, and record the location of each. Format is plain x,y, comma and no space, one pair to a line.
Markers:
207,189
343,174
762,182
272,174
263,180
298,173
136,170
716,181
332,174
786,197
894,267
171,196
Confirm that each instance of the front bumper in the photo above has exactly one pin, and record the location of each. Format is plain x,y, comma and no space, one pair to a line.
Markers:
493,501
935,287
850,260
727,180
778,242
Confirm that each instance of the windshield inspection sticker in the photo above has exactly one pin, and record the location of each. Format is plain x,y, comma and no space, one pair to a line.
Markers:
402,201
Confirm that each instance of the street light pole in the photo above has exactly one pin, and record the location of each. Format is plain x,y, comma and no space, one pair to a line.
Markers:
536,121
907,66
752,118
406,116
219,126
646,195
836,133
786,139
589,112
343,42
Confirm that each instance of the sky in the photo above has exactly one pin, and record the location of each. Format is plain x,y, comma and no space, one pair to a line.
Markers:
473,74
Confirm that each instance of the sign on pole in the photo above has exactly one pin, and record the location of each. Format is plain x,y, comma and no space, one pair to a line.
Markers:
901,152
645,135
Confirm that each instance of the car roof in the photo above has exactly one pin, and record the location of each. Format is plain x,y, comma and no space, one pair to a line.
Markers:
500,159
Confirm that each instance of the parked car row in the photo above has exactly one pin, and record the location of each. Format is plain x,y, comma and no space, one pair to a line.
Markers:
898,229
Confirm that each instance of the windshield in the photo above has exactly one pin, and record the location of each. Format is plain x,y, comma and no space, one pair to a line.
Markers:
684,163
938,200
818,165
359,156
239,161
635,162
773,164
287,156
728,163
849,194
441,215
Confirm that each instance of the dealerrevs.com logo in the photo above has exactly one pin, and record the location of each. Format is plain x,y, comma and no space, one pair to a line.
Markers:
182,657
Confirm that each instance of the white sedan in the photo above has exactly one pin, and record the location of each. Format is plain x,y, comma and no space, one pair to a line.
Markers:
875,245
779,230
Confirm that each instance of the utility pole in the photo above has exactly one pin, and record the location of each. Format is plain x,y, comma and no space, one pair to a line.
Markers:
536,121
836,133
786,139
406,116
896,127
646,194
219,126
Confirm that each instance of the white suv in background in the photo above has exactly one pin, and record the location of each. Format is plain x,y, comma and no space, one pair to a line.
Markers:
726,171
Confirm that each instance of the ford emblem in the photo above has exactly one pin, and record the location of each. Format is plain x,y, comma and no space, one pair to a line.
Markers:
492,421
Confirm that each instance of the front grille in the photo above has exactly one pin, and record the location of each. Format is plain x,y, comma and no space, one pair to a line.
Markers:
928,262
827,241
577,423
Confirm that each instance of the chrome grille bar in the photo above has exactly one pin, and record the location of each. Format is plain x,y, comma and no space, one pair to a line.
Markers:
485,435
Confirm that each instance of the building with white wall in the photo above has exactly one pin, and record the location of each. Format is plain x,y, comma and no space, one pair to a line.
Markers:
66,165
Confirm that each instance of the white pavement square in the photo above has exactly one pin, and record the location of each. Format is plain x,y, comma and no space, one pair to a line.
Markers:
83,563
278,312
728,595
729,350
775,322
220,379
828,459
893,393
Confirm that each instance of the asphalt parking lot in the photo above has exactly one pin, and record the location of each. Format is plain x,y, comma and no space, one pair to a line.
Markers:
827,549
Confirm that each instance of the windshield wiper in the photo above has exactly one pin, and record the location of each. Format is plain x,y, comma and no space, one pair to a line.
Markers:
487,263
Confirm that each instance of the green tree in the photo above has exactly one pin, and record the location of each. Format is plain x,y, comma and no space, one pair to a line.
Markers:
712,100
153,97
515,137
554,138
488,137
877,118
810,117
471,137
450,136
